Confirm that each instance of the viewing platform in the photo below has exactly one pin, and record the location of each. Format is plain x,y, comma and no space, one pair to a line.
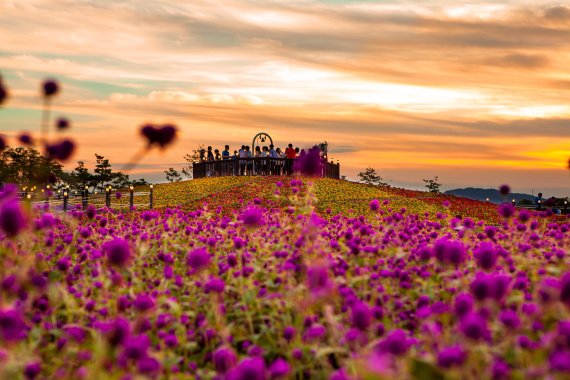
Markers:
264,166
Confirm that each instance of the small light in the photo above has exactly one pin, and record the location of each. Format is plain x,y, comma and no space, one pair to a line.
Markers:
152,186
487,199
65,193
565,202
130,187
514,200
86,187
29,196
48,187
539,201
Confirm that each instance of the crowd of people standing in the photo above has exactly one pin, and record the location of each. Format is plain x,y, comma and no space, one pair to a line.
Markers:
266,160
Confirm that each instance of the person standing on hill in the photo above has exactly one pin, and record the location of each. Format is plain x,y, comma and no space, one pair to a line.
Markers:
226,153
290,152
210,154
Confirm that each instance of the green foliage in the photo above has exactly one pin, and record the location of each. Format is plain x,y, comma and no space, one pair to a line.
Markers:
172,175
26,166
370,177
190,159
433,185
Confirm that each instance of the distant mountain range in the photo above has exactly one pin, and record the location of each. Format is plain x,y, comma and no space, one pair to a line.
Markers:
493,195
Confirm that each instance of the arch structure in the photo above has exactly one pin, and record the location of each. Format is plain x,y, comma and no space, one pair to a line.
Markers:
259,139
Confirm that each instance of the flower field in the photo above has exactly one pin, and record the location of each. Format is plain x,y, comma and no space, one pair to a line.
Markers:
273,278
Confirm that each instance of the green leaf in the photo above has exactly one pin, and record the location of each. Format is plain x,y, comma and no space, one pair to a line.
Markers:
425,371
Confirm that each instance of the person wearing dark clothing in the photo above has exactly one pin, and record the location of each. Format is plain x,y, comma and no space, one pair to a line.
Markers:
226,153
210,154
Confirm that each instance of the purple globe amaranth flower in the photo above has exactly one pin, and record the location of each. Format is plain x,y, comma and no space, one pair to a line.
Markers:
500,370
215,285
61,151
510,319
12,326
318,280
144,302
310,164
118,252
161,136
32,370
374,205
25,139
451,356
361,316
449,251
463,304
559,361
148,366
224,359
117,331
136,347
565,289
504,189
279,369
289,333
3,92
485,255
198,259
474,326
251,216
62,123
396,343
506,210
50,87
249,369
12,218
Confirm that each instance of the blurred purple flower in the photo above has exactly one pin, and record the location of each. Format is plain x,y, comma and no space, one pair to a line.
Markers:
474,326
318,280
310,164
32,370
118,252
249,369
360,316
136,347
504,189
451,356
161,136
12,217
374,205
396,343
224,359
61,151
198,259
3,92
251,216
559,361
506,210
12,326
62,123
510,319
565,289
50,87
279,369
485,255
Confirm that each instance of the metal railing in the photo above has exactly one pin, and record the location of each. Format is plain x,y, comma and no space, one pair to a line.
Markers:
64,201
257,166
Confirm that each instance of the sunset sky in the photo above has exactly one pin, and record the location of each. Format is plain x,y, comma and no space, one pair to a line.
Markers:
476,92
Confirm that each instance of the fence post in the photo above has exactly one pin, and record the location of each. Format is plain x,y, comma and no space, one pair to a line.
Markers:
151,197
131,196
86,197
65,197
108,197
